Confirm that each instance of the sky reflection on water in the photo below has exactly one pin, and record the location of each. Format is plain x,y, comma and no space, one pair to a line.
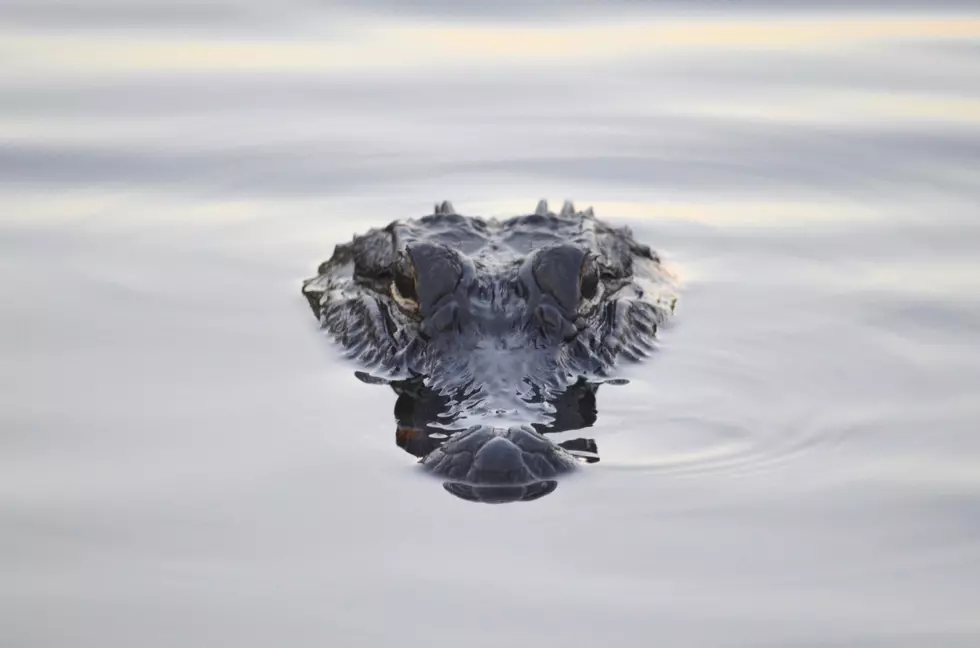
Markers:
796,466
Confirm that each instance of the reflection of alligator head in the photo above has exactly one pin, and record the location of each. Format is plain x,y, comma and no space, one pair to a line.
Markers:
421,431
498,328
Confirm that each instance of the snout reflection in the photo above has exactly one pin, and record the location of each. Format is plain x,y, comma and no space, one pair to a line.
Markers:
489,464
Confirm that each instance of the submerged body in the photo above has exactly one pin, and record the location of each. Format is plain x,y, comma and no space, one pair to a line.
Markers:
499,318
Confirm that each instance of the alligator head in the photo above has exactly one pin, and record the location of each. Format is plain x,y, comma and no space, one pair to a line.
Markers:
499,319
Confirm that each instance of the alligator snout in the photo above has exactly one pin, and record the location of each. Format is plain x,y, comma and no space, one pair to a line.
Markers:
487,457
493,465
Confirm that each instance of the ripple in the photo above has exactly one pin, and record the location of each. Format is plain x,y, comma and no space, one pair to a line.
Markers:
721,411
695,445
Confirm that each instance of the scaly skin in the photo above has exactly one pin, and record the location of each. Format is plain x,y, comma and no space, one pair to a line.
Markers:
499,319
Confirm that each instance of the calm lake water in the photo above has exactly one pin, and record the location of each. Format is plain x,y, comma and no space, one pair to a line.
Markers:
185,461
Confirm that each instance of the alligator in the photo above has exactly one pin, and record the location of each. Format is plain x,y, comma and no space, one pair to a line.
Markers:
494,333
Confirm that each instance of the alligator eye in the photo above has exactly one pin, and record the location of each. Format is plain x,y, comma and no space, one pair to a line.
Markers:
568,274
404,290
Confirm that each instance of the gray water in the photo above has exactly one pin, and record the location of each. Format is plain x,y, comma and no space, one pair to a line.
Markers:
185,461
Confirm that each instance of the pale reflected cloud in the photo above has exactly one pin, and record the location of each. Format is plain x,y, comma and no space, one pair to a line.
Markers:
856,109
405,45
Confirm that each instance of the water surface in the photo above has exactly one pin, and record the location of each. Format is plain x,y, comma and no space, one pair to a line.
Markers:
185,461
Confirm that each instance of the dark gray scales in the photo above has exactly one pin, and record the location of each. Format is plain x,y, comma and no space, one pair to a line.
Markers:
498,318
